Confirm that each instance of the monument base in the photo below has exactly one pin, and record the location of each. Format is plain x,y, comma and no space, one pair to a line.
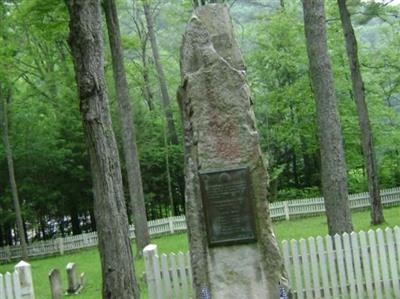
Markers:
236,272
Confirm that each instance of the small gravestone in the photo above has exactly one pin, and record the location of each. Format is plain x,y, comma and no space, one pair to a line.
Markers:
55,284
25,280
73,284
234,253
83,280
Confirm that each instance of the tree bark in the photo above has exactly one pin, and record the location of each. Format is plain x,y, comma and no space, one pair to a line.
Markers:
363,119
1,236
92,221
166,103
169,181
86,44
141,31
42,221
75,223
333,165
14,190
146,80
9,238
127,129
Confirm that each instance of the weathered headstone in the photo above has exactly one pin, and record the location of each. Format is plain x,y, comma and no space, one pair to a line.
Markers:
83,280
234,253
25,279
73,284
55,284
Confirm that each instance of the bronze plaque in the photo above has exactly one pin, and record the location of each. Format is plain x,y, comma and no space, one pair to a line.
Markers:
228,206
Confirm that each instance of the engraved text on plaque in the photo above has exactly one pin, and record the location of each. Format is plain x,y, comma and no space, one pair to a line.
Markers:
228,208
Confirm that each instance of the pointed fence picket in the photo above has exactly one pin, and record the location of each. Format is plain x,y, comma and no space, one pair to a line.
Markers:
168,277
356,266
353,266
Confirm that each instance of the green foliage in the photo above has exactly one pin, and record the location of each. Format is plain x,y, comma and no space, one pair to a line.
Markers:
52,167
295,193
284,104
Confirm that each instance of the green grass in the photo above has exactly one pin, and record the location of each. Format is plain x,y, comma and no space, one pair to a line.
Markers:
317,226
88,260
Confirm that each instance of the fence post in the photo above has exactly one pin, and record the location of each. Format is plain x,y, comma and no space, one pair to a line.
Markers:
61,245
150,253
86,238
286,208
171,225
8,253
25,278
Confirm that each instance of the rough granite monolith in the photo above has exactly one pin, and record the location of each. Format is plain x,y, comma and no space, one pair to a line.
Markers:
220,133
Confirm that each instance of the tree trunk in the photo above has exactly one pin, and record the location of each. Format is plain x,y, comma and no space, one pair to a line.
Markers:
333,172
9,238
43,227
25,230
363,119
14,190
169,181
141,31
294,168
75,223
127,129
61,226
166,103
146,80
1,236
86,44
92,221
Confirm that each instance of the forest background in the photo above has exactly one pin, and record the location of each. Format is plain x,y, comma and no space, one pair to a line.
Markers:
45,130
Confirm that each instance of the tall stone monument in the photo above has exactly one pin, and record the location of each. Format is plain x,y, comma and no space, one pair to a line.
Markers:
234,253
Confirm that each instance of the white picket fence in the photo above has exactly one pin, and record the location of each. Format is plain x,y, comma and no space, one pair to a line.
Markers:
278,211
17,285
360,265
72,243
167,276
316,206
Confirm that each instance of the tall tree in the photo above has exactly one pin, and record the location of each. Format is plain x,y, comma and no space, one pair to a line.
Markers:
363,118
5,96
165,100
86,44
143,36
127,128
333,165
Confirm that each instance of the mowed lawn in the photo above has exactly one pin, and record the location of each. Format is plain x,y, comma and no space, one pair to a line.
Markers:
88,260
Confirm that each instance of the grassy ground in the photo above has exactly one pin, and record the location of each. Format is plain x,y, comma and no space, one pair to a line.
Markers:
88,260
